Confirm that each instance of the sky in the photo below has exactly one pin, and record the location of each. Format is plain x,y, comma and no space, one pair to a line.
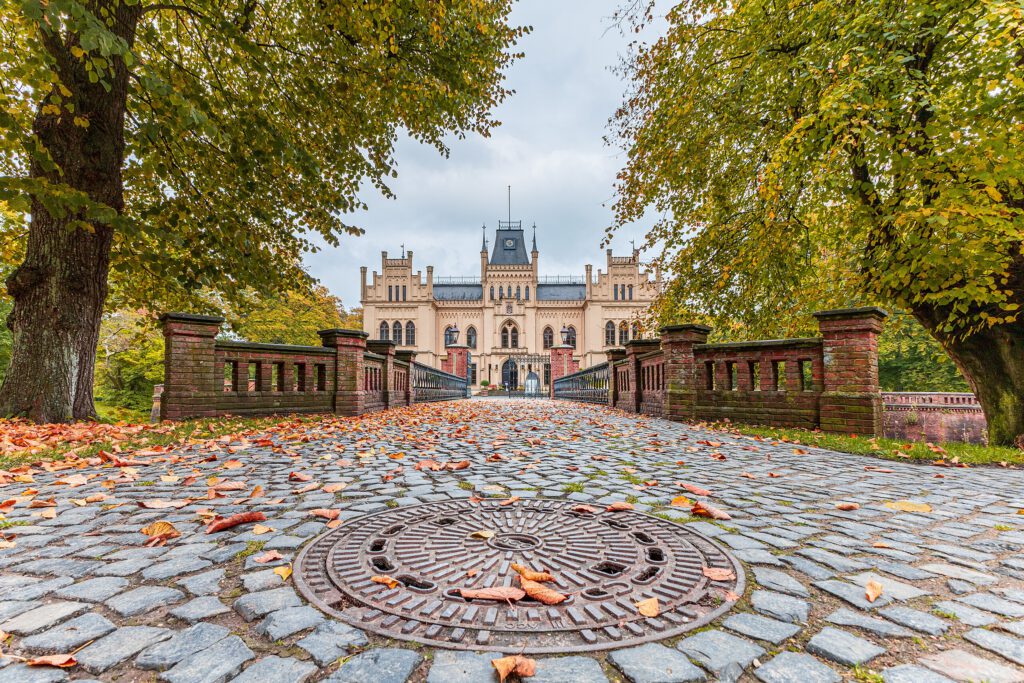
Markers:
549,148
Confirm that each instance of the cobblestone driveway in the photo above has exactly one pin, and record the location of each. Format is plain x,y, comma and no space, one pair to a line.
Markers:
202,609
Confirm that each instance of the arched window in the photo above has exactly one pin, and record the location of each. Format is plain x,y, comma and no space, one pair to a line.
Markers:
504,337
549,338
609,333
384,331
514,334
471,337
631,292
636,331
527,292
410,334
572,337
492,292
623,333
397,333
519,293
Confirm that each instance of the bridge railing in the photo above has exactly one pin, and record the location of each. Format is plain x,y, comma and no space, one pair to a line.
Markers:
430,384
590,385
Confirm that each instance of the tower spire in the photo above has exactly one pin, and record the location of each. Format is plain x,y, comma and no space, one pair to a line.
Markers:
535,236
484,229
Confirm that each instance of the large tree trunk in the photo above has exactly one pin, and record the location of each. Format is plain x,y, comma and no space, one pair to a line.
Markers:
60,289
992,362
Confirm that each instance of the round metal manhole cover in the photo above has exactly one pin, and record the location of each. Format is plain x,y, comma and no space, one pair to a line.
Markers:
604,562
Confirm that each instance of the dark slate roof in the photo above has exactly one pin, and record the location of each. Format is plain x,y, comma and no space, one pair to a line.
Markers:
561,292
509,256
458,292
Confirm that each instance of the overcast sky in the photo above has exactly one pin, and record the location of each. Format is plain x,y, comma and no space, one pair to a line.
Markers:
549,148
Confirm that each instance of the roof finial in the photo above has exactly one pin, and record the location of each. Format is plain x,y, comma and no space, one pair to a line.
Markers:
403,251
484,229
535,235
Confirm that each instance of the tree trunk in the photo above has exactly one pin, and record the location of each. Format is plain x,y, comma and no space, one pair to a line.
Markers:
60,289
992,362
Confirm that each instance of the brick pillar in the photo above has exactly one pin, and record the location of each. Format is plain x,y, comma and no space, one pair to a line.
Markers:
386,348
349,347
634,349
190,368
852,400
614,390
562,363
407,357
457,360
681,376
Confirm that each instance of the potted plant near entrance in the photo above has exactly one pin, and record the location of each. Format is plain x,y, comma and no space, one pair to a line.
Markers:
484,387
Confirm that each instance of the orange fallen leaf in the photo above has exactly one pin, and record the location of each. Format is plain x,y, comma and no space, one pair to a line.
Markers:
872,590
681,501
334,488
386,580
523,667
719,573
848,506
268,556
618,506
261,529
648,607
284,571
696,490
299,476
493,593
707,510
232,464
540,592
325,513
222,523
528,573
61,661
908,506
585,509
509,501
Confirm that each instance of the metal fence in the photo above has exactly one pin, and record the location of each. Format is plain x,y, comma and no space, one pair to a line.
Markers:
430,384
590,385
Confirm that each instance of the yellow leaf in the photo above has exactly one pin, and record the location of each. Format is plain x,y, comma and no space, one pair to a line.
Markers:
994,194
262,529
681,501
482,534
283,572
77,51
908,506
649,607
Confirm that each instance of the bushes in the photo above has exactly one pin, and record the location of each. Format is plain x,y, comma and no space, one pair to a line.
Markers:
130,360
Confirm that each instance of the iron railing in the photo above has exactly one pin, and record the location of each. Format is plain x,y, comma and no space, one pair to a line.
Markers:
590,385
465,280
562,280
430,384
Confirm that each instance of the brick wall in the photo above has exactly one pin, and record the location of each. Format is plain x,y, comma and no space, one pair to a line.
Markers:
829,381
934,417
206,377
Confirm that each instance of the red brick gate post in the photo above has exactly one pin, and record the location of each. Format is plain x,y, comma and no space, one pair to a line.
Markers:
457,360
349,347
562,363
634,349
852,400
677,341
407,356
190,369
386,348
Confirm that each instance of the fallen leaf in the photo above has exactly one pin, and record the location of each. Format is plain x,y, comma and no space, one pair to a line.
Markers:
848,506
159,533
269,556
719,573
222,523
334,488
7,545
523,667
261,529
707,510
386,580
908,506
528,573
232,464
325,513
696,490
618,506
681,501
586,509
493,593
540,592
61,661
299,476
509,501
484,534
648,607
872,590
284,571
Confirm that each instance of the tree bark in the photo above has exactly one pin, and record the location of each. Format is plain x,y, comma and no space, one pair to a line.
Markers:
992,362
60,288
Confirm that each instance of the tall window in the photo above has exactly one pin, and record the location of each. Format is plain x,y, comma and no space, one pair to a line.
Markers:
515,337
492,292
623,333
471,337
527,292
549,338
405,298
615,292
519,292
397,332
631,292
572,337
609,333
510,336
636,331
504,337
410,334
384,331
390,294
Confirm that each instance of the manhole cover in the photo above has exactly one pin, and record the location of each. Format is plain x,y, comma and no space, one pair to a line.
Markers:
605,563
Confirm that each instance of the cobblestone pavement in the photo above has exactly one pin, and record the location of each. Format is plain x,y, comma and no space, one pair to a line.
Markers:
202,608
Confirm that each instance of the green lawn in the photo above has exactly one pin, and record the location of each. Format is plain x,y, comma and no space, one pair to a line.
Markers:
891,449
